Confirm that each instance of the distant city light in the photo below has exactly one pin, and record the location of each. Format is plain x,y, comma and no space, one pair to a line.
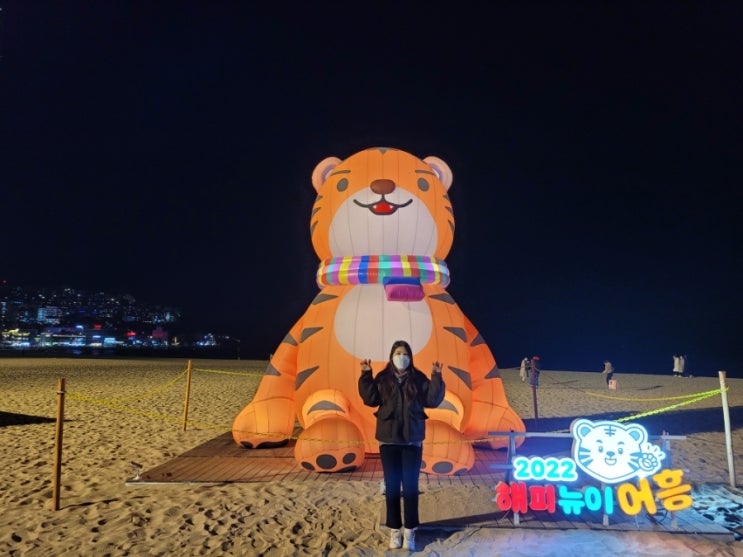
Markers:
66,318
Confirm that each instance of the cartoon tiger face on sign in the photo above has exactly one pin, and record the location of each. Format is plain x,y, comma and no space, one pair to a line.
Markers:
409,194
614,452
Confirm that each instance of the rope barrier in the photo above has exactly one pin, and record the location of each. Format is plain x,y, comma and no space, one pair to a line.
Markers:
708,394
704,394
247,373
362,442
114,404
693,397
147,394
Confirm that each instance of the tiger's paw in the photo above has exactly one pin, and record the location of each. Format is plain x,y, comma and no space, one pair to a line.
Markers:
490,412
330,445
264,424
445,451
501,418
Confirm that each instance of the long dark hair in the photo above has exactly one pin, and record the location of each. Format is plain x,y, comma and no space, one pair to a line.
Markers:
388,380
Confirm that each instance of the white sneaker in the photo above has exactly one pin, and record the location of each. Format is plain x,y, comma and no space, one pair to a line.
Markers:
408,541
395,538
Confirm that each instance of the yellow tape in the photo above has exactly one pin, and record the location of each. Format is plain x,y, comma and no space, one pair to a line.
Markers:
147,394
113,404
124,408
665,409
229,372
358,442
680,397
702,396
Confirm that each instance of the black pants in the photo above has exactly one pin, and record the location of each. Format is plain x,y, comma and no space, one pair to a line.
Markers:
401,465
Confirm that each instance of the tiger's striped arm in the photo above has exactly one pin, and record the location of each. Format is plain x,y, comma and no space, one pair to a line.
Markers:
490,408
268,420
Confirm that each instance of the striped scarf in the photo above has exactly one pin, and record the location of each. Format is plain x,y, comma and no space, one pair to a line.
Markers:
373,269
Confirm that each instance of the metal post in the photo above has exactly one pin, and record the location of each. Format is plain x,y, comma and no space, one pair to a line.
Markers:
605,518
511,454
666,446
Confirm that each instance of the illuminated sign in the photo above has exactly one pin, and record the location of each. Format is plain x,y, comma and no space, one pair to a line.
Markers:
609,452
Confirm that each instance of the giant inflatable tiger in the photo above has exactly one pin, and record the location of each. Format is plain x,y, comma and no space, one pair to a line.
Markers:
382,224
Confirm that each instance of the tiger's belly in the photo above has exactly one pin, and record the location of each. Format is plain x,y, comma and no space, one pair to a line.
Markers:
366,324
347,324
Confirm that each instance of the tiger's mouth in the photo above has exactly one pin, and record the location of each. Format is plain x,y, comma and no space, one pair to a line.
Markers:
610,461
383,207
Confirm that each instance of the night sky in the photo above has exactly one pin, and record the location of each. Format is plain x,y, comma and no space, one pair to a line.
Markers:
165,149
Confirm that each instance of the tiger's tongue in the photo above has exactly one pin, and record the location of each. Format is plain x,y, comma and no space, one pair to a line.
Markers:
383,208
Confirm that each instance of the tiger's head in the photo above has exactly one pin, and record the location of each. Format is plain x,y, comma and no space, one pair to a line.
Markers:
382,201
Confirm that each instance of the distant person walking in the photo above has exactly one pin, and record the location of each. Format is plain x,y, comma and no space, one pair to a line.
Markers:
608,371
534,372
677,367
524,370
684,360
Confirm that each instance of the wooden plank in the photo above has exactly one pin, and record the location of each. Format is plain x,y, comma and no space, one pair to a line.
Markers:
217,467
373,471
281,468
252,468
196,469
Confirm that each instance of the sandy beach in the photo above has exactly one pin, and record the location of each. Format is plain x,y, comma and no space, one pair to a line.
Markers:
123,411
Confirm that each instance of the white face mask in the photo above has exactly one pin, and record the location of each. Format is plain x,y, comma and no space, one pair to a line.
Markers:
401,361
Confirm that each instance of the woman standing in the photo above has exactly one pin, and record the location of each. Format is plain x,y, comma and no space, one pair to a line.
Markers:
608,371
402,392
524,370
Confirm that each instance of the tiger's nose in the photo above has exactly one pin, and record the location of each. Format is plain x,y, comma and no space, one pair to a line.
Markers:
382,186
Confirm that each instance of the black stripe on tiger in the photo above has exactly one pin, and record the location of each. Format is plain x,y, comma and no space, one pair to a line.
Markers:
303,375
325,405
465,376
459,332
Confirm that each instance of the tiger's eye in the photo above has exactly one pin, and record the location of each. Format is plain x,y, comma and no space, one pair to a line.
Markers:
342,184
423,184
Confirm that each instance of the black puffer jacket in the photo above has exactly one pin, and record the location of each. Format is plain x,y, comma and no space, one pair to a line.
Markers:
400,420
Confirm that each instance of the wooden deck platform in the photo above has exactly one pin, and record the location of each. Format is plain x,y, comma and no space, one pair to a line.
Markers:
220,460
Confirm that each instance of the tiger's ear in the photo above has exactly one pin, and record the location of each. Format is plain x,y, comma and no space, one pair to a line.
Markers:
323,168
441,169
